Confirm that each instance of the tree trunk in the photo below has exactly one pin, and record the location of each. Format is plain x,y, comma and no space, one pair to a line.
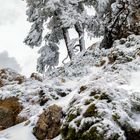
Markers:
67,42
107,40
80,31
113,27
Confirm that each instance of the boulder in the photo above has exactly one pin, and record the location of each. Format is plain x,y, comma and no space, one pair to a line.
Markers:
6,118
9,110
102,114
121,51
36,76
8,77
48,124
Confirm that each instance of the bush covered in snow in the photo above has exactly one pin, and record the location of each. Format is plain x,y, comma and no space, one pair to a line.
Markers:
102,113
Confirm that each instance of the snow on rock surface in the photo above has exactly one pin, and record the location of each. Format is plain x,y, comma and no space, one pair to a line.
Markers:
8,76
98,91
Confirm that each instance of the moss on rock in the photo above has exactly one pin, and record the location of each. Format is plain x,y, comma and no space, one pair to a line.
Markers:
105,96
82,88
88,101
78,122
91,111
92,134
71,117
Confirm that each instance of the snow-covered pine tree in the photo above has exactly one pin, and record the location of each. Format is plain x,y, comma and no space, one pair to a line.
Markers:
34,13
58,16
73,15
114,18
41,13
49,57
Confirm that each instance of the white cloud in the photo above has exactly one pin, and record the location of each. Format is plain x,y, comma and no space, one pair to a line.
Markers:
8,62
13,30
9,11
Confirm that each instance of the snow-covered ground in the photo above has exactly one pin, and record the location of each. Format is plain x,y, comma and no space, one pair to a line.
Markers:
18,132
135,81
121,76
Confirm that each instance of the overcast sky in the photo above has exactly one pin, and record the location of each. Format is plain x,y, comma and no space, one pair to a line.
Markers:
9,62
13,30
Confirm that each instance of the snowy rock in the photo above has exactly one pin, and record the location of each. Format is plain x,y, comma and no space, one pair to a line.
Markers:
104,110
9,110
122,20
48,124
36,76
9,77
124,50
101,114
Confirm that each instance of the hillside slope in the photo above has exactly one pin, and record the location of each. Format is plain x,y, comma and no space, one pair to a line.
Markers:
98,92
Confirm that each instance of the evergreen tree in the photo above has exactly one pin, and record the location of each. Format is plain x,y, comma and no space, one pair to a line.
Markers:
49,57
52,19
58,16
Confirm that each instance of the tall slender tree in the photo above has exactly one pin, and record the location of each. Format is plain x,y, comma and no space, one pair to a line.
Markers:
51,20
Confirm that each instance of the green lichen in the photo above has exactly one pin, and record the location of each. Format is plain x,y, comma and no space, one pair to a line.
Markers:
86,125
73,114
71,134
82,88
68,133
105,96
93,93
71,117
64,130
92,134
115,117
131,133
78,122
88,101
91,111
96,96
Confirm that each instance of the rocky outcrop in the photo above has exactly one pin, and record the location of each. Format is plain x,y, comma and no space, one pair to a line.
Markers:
49,122
103,114
122,20
36,76
8,77
9,110
104,110
134,18
121,51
